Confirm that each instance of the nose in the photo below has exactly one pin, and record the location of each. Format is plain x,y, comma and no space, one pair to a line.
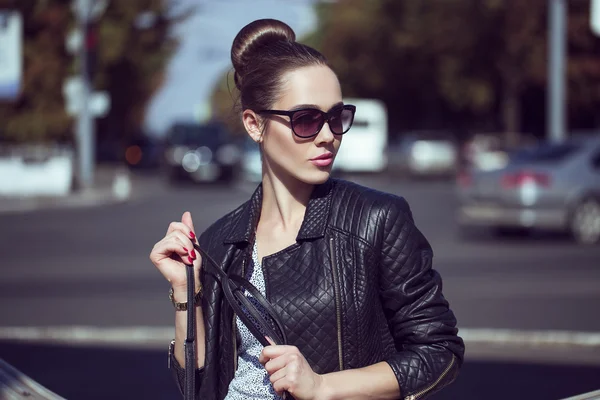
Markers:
325,135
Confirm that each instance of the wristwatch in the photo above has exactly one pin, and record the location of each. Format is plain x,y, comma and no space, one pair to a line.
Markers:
184,306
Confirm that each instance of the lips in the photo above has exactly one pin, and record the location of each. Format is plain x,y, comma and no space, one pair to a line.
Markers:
323,160
324,156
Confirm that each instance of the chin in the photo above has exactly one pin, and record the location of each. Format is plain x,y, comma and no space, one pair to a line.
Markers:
316,177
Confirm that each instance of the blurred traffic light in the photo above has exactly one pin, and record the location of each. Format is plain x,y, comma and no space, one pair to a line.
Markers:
91,50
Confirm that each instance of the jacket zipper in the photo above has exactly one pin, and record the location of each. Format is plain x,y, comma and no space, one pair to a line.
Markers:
429,388
336,290
234,325
234,336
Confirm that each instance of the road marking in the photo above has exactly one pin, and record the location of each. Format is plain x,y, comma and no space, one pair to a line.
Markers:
530,338
147,335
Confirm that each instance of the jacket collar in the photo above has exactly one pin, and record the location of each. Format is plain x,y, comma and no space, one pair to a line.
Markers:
313,226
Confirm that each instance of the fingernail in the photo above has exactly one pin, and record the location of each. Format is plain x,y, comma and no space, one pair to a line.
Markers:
193,255
190,260
192,235
186,250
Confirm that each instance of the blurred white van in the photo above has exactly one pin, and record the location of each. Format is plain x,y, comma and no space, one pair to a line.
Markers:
363,148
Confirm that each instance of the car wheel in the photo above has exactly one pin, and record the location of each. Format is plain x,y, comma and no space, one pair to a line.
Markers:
585,222
511,232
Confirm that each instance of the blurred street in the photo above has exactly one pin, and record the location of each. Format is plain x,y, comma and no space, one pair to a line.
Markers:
116,117
90,267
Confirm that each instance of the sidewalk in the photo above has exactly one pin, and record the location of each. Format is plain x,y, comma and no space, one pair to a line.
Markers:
112,184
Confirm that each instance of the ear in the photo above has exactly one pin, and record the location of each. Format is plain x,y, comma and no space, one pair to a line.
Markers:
253,125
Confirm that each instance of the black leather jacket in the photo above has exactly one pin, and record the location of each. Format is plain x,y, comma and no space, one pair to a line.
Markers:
357,288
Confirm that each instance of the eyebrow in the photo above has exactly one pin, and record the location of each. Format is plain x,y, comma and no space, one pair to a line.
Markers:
301,106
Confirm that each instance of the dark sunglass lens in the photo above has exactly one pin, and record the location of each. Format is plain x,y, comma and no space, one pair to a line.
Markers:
341,120
336,121
307,122
347,117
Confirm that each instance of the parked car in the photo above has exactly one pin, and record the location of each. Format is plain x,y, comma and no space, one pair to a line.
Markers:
424,154
363,147
251,164
200,152
550,186
143,153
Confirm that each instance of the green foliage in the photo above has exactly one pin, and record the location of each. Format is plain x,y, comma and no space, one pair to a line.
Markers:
130,63
38,114
224,104
456,64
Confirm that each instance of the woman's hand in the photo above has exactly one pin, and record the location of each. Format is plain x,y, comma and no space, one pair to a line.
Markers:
289,371
174,251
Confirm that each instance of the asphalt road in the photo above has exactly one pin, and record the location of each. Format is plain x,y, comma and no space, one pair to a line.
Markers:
90,267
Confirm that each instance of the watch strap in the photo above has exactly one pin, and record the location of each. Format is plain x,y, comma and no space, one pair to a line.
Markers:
184,305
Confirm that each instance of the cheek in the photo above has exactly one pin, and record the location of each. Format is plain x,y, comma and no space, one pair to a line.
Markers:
281,147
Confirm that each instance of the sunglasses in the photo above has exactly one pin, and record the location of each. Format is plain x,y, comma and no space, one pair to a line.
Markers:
308,122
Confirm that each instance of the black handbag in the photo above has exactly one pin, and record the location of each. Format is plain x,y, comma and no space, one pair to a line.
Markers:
261,322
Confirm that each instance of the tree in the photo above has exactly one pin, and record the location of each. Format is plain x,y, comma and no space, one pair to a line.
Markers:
461,63
456,64
38,114
131,60
224,102
135,47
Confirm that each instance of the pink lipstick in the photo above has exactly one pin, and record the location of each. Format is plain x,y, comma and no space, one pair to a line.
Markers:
323,160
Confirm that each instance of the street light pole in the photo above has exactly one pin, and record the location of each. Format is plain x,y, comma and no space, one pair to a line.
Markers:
556,97
85,124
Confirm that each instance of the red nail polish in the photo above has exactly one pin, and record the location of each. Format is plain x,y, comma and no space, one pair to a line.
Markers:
193,255
192,235
190,260
186,250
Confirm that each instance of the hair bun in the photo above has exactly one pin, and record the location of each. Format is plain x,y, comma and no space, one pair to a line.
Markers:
253,38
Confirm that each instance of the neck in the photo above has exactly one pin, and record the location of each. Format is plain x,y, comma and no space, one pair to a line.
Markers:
284,201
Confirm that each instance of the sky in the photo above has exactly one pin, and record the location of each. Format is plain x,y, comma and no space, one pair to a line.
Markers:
204,53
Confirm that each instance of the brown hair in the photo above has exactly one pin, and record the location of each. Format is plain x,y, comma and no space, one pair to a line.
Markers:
262,52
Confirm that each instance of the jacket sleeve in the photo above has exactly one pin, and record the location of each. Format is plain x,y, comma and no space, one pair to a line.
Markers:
428,351
179,372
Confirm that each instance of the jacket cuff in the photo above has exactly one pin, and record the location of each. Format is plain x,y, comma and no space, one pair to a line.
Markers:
179,372
409,374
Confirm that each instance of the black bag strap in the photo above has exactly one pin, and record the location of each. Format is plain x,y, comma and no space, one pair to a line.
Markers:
189,347
233,287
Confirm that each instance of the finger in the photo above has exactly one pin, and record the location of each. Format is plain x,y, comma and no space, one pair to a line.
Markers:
279,382
267,353
276,351
165,248
186,219
180,226
186,242
275,364
270,340
192,256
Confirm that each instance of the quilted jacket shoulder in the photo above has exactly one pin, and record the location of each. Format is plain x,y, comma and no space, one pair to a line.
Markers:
213,237
365,209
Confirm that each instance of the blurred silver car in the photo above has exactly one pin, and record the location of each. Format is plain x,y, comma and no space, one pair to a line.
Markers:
424,154
552,186
251,163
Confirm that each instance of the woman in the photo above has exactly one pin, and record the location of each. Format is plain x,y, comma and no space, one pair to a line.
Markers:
344,266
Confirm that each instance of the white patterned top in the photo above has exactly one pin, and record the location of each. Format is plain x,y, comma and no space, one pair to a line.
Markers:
251,380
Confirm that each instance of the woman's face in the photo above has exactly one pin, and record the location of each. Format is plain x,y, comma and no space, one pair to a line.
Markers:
287,155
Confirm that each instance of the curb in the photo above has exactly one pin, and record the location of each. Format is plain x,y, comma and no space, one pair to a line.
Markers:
549,347
119,191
